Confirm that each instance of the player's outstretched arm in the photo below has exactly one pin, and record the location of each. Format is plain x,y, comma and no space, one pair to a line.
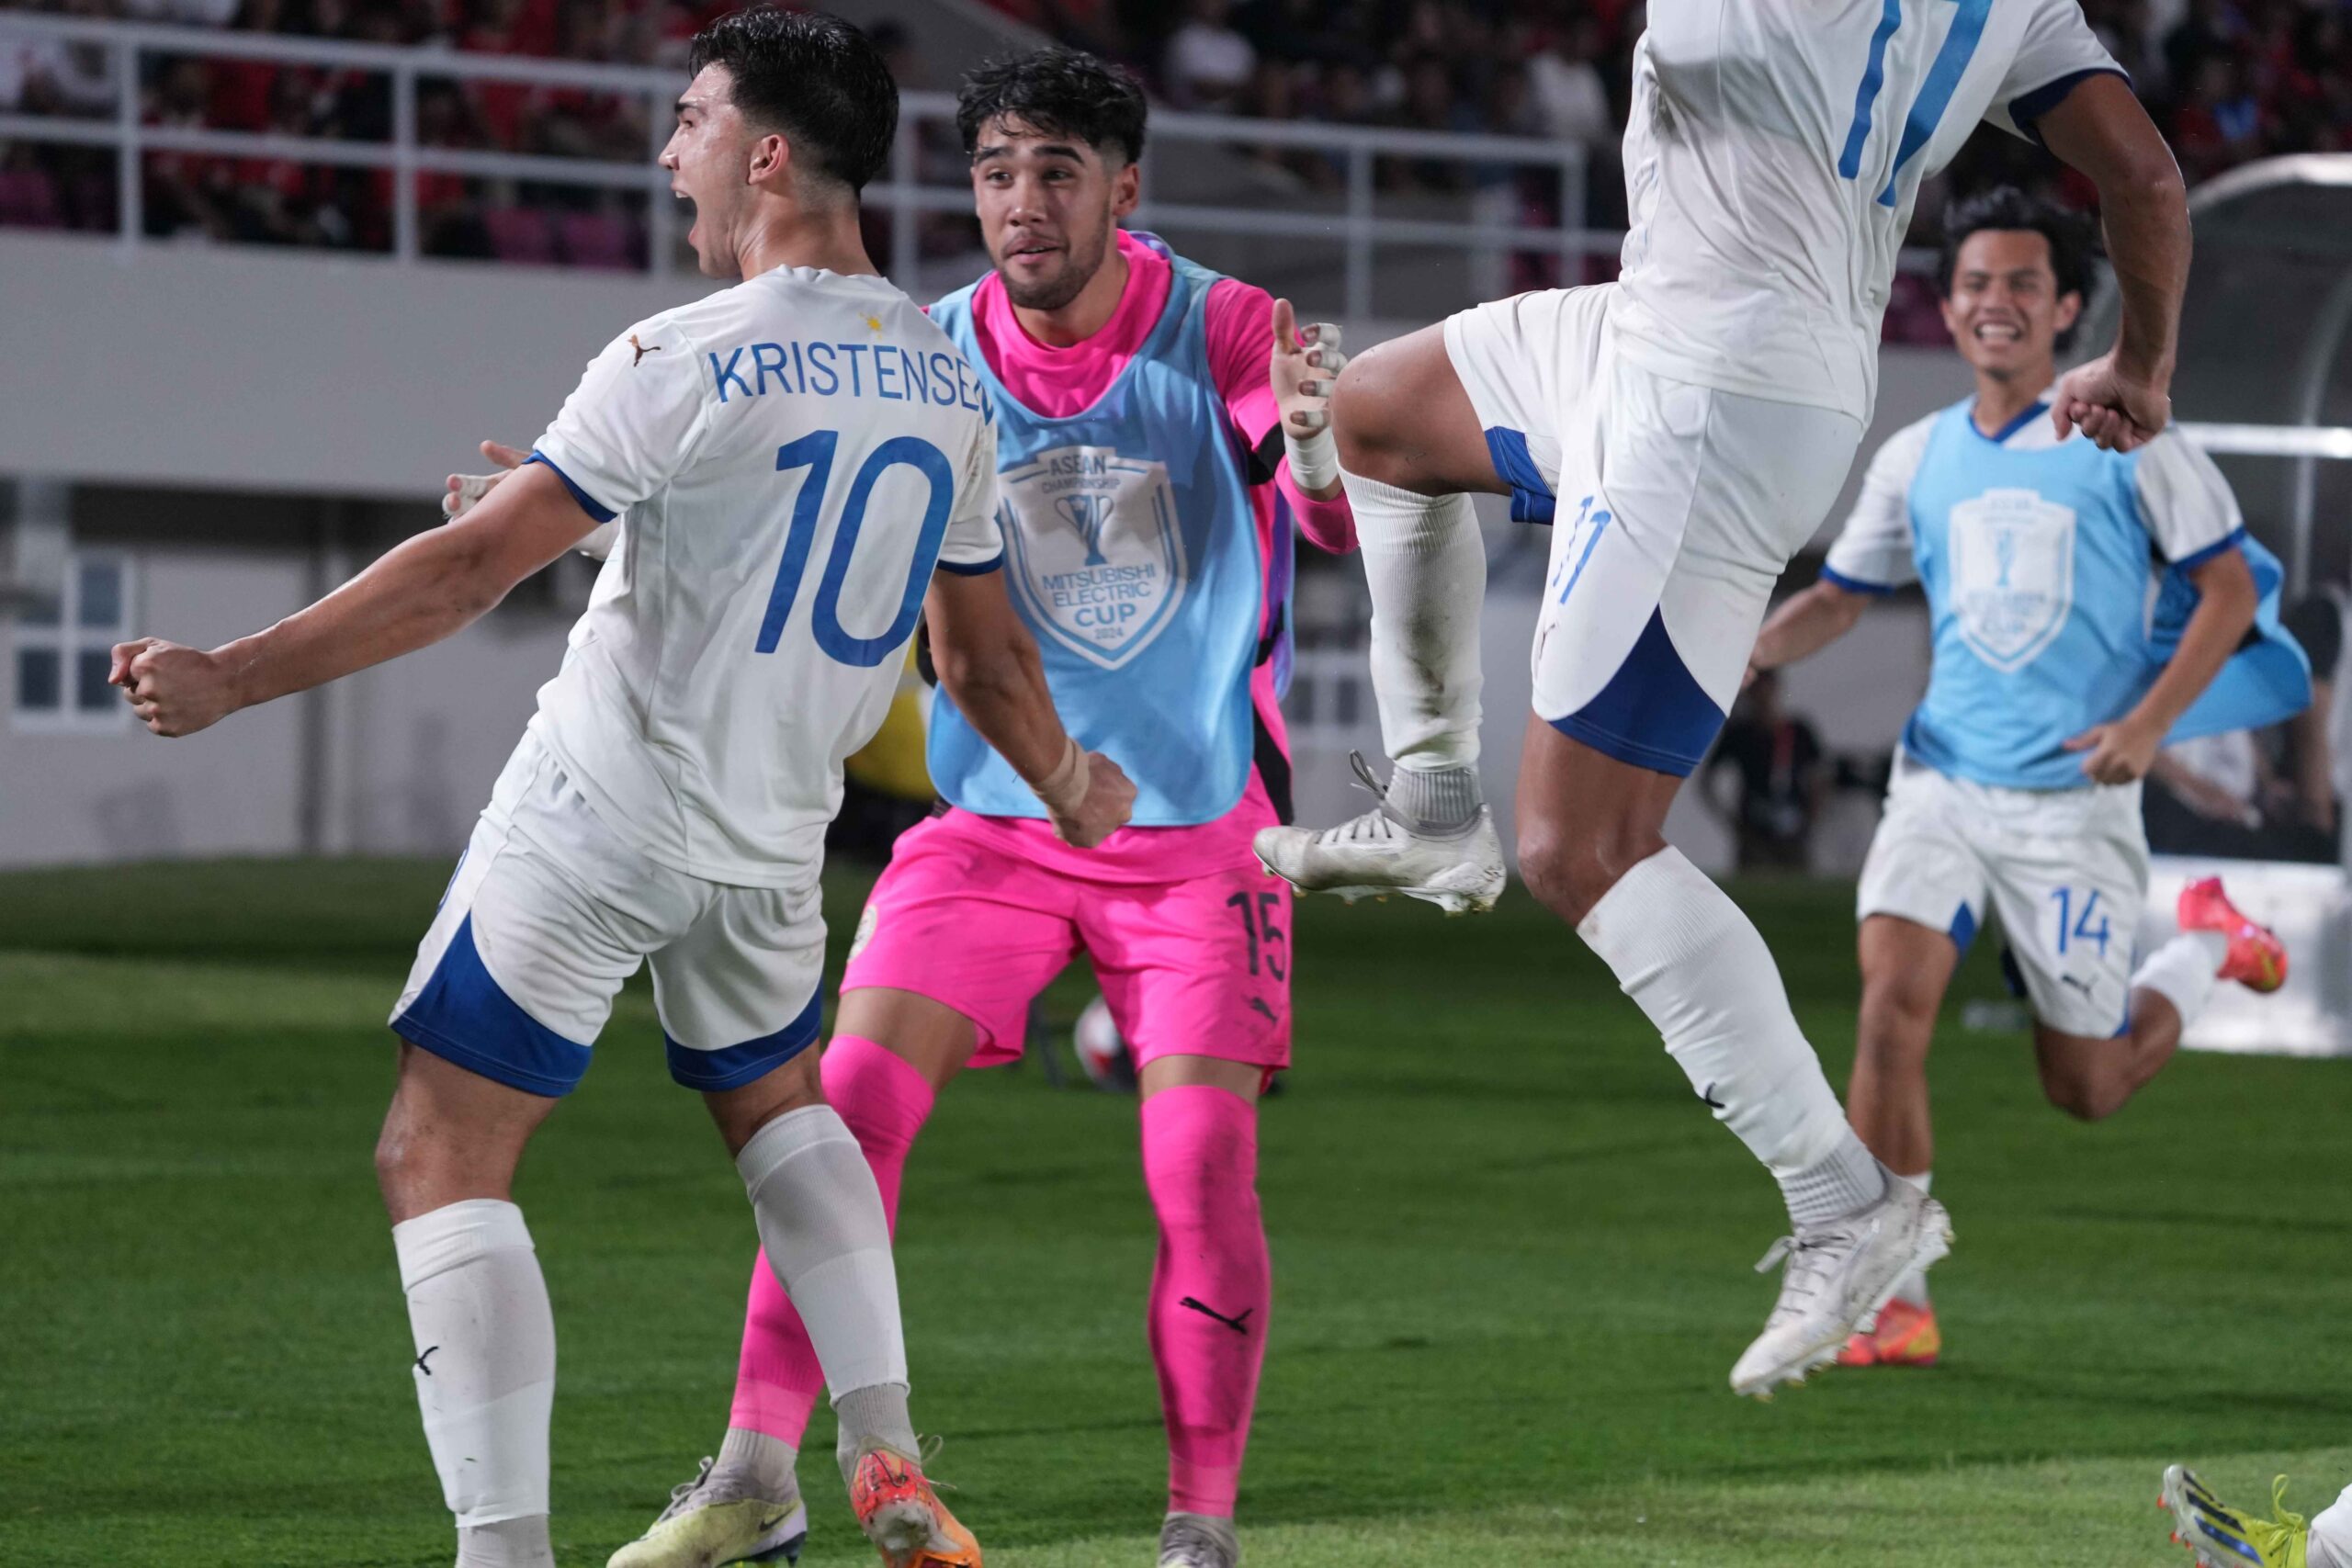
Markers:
2124,750
989,665
419,592
1804,624
2122,399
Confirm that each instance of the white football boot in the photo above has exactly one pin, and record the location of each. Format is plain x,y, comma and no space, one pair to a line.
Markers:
1198,1541
1839,1275
1379,853
710,1522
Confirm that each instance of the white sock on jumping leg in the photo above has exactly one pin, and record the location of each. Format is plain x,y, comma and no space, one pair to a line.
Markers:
2183,970
1682,949
1426,565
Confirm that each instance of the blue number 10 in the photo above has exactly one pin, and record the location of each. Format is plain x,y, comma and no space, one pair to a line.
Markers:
1935,92
814,452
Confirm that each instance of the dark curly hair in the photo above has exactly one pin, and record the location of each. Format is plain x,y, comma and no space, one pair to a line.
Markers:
2073,253
1062,92
813,77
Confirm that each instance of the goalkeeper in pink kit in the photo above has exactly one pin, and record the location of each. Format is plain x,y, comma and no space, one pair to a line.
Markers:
1160,430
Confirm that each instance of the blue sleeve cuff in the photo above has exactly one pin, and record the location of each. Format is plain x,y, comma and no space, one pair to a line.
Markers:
974,569
2191,562
588,503
2028,107
1855,584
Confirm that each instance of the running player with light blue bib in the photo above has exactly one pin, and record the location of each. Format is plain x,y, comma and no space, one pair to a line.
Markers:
2016,788
1686,429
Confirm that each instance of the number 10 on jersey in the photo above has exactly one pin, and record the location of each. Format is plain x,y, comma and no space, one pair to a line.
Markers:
814,452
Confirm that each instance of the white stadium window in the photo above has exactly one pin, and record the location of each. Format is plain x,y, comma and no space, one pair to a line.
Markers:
63,646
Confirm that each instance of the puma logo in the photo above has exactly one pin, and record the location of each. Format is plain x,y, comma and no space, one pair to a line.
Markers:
642,350
1239,1325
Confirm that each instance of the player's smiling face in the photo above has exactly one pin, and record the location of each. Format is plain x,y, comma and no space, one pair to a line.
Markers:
1049,207
2004,310
712,158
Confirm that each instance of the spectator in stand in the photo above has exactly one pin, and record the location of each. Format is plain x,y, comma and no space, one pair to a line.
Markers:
2219,125
1208,65
1571,96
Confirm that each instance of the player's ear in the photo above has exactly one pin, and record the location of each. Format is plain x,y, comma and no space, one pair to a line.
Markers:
2069,306
771,157
1126,189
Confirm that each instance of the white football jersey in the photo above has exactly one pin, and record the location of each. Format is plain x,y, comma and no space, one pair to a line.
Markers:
1772,155
791,458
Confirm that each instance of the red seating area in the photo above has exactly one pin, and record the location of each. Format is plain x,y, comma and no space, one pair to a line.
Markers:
2230,81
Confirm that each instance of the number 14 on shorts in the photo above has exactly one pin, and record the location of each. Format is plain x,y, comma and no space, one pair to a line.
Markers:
2076,908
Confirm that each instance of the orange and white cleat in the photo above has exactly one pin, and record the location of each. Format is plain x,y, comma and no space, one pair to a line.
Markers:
904,1517
2257,959
1906,1336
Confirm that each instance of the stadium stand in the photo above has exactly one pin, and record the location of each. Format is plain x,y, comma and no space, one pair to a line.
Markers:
2230,80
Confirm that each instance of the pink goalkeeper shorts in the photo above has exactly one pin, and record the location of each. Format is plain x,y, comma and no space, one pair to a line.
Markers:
1199,967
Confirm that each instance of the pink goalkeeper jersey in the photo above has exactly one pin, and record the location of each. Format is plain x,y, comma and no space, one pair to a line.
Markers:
1061,382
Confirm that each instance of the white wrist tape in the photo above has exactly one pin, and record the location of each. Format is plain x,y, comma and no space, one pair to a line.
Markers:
1064,789
1314,459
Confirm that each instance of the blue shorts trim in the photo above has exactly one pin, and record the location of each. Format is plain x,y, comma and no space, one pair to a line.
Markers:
588,503
463,1017
974,568
1854,585
1652,714
735,1066
1531,497
1964,928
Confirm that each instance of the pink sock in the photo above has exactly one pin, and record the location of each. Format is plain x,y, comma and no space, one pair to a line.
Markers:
1213,1288
885,1101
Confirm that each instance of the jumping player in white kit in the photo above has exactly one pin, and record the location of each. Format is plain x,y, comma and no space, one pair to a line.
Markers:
1685,430
790,460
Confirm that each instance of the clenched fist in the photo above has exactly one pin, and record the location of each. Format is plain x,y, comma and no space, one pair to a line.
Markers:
174,690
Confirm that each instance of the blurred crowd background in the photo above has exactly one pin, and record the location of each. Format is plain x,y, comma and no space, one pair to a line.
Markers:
2229,80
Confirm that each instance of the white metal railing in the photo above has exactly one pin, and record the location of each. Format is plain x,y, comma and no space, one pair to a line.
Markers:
1358,225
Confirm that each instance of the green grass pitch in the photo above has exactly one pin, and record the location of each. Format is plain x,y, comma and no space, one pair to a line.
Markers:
1512,1261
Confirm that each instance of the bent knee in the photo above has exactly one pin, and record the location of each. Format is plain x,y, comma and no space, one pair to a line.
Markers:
2085,1097
1898,1019
1364,419
1570,869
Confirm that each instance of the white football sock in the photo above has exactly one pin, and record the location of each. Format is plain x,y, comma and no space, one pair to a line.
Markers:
1914,1288
820,1219
484,1373
1426,565
752,1464
2331,1539
2182,972
510,1543
1682,949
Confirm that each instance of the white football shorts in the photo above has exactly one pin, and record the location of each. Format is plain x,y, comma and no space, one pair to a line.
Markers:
1674,508
2066,870
550,911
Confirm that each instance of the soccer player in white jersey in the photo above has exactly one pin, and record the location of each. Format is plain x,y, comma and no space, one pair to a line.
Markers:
790,459
2016,788
1685,429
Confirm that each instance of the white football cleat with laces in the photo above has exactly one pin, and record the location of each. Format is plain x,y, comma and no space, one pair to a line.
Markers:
1838,1276
1379,853
712,1521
